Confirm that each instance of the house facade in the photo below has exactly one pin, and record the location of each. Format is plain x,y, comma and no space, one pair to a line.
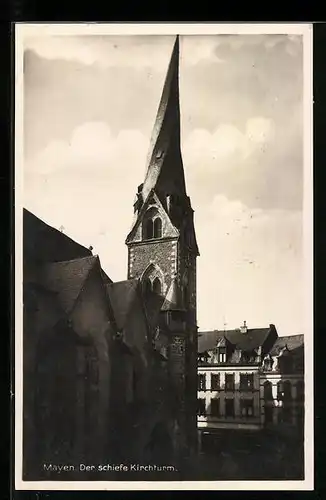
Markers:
250,379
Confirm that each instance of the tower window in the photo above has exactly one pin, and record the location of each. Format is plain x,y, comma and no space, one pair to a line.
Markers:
157,287
147,287
149,229
157,227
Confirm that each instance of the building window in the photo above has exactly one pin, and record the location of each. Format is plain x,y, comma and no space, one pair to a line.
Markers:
222,356
284,391
202,382
229,407
229,381
215,407
201,407
157,228
215,381
268,391
247,407
246,382
157,287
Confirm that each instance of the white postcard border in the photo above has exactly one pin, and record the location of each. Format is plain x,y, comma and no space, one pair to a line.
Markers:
23,30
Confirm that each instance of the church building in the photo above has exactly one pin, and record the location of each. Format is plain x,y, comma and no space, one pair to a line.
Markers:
110,369
162,251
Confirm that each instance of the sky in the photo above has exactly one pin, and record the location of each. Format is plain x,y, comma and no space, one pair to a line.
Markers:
89,108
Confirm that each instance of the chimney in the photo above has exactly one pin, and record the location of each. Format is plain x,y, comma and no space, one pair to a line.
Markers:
243,328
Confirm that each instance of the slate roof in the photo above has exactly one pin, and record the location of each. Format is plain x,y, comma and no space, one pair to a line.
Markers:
165,140
291,342
153,305
67,278
165,172
122,295
249,341
44,243
42,306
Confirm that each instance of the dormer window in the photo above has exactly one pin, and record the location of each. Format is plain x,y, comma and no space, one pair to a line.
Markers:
221,350
221,355
159,154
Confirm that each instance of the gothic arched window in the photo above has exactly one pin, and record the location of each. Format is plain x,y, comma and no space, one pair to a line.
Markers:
147,286
157,227
149,229
157,287
152,223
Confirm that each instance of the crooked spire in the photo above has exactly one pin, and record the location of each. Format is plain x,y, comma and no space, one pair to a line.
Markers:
164,161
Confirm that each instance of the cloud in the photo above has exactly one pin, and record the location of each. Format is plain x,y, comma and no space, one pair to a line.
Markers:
250,263
87,124
124,51
267,41
91,146
98,50
216,149
250,266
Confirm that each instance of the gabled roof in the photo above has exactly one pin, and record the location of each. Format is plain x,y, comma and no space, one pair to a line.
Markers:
122,295
67,278
291,343
162,172
254,338
137,221
44,243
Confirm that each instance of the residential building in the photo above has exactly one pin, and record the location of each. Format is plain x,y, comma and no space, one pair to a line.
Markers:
250,379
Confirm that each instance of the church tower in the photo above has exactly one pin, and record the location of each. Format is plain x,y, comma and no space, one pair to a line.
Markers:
162,248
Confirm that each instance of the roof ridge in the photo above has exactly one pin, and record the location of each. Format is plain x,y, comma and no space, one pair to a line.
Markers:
90,257
29,213
81,289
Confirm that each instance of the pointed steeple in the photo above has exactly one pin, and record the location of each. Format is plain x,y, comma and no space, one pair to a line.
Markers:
164,162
